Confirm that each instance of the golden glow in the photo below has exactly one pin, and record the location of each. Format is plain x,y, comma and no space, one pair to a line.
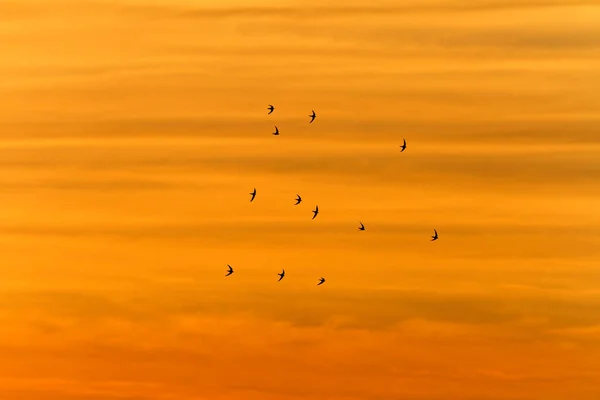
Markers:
131,133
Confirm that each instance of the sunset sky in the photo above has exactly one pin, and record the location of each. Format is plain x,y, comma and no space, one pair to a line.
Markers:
133,131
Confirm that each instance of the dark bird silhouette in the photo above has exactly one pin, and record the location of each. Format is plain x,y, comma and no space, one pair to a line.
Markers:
281,275
434,237
316,211
312,116
276,131
270,108
298,200
230,271
403,147
253,194
321,281
362,227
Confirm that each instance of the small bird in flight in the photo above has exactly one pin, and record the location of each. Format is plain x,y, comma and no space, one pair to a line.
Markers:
270,108
312,116
298,200
434,237
253,194
403,147
281,275
362,227
316,211
321,281
276,131
230,271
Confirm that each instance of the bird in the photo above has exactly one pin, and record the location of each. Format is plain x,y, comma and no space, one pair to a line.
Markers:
316,211
253,194
230,271
281,275
403,147
298,200
362,227
270,108
276,131
321,281
312,116
434,237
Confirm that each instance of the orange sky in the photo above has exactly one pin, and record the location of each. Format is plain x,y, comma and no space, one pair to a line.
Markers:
132,131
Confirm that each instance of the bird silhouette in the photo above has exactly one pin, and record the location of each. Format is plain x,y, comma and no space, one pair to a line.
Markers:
276,131
434,237
312,116
281,275
316,211
321,281
230,271
270,108
403,147
362,227
253,194
298,200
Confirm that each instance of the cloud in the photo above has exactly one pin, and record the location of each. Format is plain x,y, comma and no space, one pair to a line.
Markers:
80,306
343,9
78,389
366,309
339,132
115,185
436,167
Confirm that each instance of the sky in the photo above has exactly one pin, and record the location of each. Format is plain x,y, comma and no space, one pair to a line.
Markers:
133,131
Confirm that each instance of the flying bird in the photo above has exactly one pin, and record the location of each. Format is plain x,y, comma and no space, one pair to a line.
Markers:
312,116
321,281
276,131
253,194
230,271
403,147
270,108
298,200
316,211
362,227
281,275
434,237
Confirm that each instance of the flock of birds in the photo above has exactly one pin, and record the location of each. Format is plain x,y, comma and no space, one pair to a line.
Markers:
316,210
